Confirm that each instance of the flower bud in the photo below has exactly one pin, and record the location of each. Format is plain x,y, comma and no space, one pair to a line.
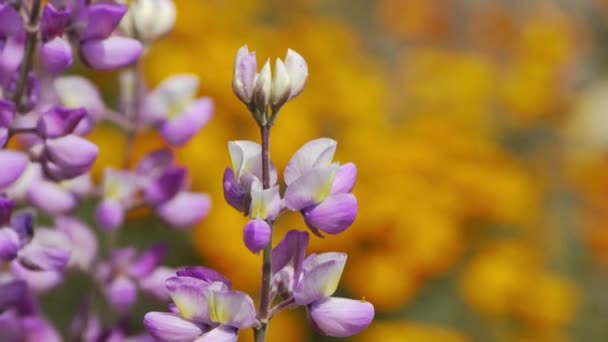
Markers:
152,19
56,55
245,73
256,235
109,215
56,122
298,72
68,157
281,86
263,85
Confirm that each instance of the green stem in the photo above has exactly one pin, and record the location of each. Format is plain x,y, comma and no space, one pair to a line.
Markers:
259,333
31,40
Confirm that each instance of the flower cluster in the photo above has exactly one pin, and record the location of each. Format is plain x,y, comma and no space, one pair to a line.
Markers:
46,159
206,309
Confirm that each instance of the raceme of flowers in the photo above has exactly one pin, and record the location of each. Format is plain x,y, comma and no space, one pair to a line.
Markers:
45,160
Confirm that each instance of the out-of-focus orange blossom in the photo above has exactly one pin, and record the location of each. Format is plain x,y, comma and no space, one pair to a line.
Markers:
440,104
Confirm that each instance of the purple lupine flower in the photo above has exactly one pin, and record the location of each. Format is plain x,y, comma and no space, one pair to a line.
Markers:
11,294
185,209
48,250
56,55
206,309
122,273
172,107
11,56
56,122
51,197
25,323
287,258
82,240
246,170
256,235
98,48
321,189
68,157
77,92
10,24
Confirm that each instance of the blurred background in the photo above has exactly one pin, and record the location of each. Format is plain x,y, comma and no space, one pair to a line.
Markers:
480,131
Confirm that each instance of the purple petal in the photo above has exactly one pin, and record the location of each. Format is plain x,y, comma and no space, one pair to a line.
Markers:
13,165
111,53
10,21
11,56
345,179
71,154
11,294
314,154
232,193
166,186
23,224
110,215
6,209
320,281
103,18
76,92
310,189
147,261
51,198
189,296
233,308
287,259
185,209
178,130
256,235
37,281
56,55
341,317
39,329
9,245
56,122
171,327
222,333
7,113
54,21
154,283
82,239
203,273
121,294
334,215
48,250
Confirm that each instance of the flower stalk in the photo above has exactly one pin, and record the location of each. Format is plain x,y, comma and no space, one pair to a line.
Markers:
31,40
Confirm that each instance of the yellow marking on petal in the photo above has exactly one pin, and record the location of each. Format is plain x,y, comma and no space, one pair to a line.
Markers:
112,191
177,108
184,307
324,190
218,312
332,284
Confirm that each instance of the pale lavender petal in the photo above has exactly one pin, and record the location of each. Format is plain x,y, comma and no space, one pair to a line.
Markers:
110,215
56,121
9,245
341,317
256,235
76,92
48,250
222,333
334,215
11,294
111,53
11,56
72,154
56,55
38,281
166,186
321,281
233,194
345,179
298,72
103,18
233,308
13,165
51,198
171,327
83,241
155,162
311,188
317,153
266,203
169,97
147,261
246,157
154,283
203,273
245,73
185,209
178,130
121,294
189,296
39,329
23,224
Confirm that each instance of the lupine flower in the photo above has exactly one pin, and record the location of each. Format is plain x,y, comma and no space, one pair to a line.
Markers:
25,323
172,107
51,197
118,194
261,89
122,273
246,170
149,20
321,189
98,48
312,281
206,309
77,92
55,51
83,242
56,122
67,157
